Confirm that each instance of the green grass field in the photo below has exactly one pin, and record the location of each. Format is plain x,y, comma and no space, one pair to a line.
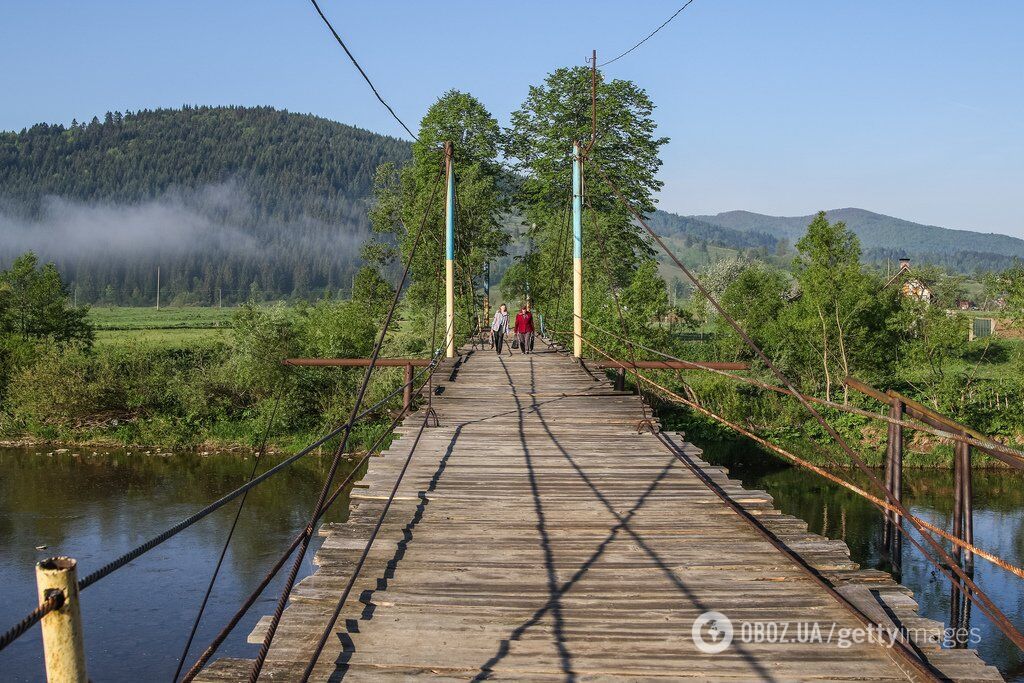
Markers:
149,318
168,327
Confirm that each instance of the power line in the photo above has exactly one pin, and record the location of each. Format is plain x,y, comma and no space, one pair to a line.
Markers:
648,37
363,73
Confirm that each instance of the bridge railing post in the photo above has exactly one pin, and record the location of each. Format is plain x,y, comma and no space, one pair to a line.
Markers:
892,543
407,388
63,644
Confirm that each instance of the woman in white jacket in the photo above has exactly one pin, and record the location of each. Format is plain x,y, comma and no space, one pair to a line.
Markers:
499,327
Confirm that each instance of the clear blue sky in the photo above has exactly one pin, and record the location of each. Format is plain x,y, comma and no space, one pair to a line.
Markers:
915,109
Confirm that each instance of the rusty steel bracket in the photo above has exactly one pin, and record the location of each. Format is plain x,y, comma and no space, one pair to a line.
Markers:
431,414
647,424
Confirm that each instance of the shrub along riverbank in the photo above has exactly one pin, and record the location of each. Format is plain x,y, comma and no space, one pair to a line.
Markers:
211,385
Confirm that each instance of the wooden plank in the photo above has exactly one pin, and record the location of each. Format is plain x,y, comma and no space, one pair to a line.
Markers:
537,536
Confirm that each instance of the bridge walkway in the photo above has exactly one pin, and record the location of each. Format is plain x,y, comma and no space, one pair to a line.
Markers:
537,536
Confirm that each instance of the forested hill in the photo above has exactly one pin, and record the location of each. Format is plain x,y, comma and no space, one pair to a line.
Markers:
227,199
881,237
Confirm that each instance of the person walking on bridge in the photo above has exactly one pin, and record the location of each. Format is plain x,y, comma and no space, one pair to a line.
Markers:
524,329
499,327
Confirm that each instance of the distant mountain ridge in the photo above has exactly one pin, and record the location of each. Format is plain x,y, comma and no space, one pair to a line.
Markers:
882,237
875,230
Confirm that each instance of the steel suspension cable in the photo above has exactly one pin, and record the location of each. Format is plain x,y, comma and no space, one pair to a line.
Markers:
360,69
648,36
54,602
878,502
227,541
308,532
362,558
918,426
254,595
615,296
941,557
564,261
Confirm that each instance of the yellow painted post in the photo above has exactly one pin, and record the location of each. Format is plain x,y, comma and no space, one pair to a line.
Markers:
63,645
449,246
577,251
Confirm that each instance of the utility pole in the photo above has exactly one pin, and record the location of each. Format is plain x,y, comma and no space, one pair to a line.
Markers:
158,288
577,251
449,246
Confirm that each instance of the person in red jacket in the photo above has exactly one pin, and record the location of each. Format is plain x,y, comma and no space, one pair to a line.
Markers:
524,330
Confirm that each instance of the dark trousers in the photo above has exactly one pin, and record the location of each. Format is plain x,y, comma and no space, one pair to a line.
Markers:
525,341
499,338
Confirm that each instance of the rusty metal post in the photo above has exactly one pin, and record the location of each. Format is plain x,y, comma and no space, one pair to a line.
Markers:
966,502
887,517
407,389
620,379
958,498
896,542
63,645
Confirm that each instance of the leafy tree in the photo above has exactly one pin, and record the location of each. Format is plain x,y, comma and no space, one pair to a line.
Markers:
403,197
755,297
1011,285
935,338
539,141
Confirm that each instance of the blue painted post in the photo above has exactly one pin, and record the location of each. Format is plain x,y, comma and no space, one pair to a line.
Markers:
449,258
577,251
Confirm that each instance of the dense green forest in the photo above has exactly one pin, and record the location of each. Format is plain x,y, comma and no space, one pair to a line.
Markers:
227,201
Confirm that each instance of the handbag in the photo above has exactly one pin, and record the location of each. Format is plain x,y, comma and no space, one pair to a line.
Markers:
515,343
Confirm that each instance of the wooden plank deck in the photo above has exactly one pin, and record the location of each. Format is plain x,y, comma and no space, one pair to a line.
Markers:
537,536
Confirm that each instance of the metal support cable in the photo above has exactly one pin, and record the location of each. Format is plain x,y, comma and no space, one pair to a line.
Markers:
54,602
899,645
227,541
648,36
878,502
133,554
362,558
941,556
361,72
140,550
308,533
603,248
212,648
909,424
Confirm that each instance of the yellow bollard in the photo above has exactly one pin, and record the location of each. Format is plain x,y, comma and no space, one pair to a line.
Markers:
63,645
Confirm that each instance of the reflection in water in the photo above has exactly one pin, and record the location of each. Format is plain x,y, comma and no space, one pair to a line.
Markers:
841,514
95,507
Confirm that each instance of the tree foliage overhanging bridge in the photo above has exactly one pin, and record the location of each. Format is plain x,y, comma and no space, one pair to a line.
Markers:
531,519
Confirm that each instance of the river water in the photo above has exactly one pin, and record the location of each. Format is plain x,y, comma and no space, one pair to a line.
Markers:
95,507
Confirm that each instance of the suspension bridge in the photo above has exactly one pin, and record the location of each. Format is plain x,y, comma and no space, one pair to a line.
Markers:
532,521
537,535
